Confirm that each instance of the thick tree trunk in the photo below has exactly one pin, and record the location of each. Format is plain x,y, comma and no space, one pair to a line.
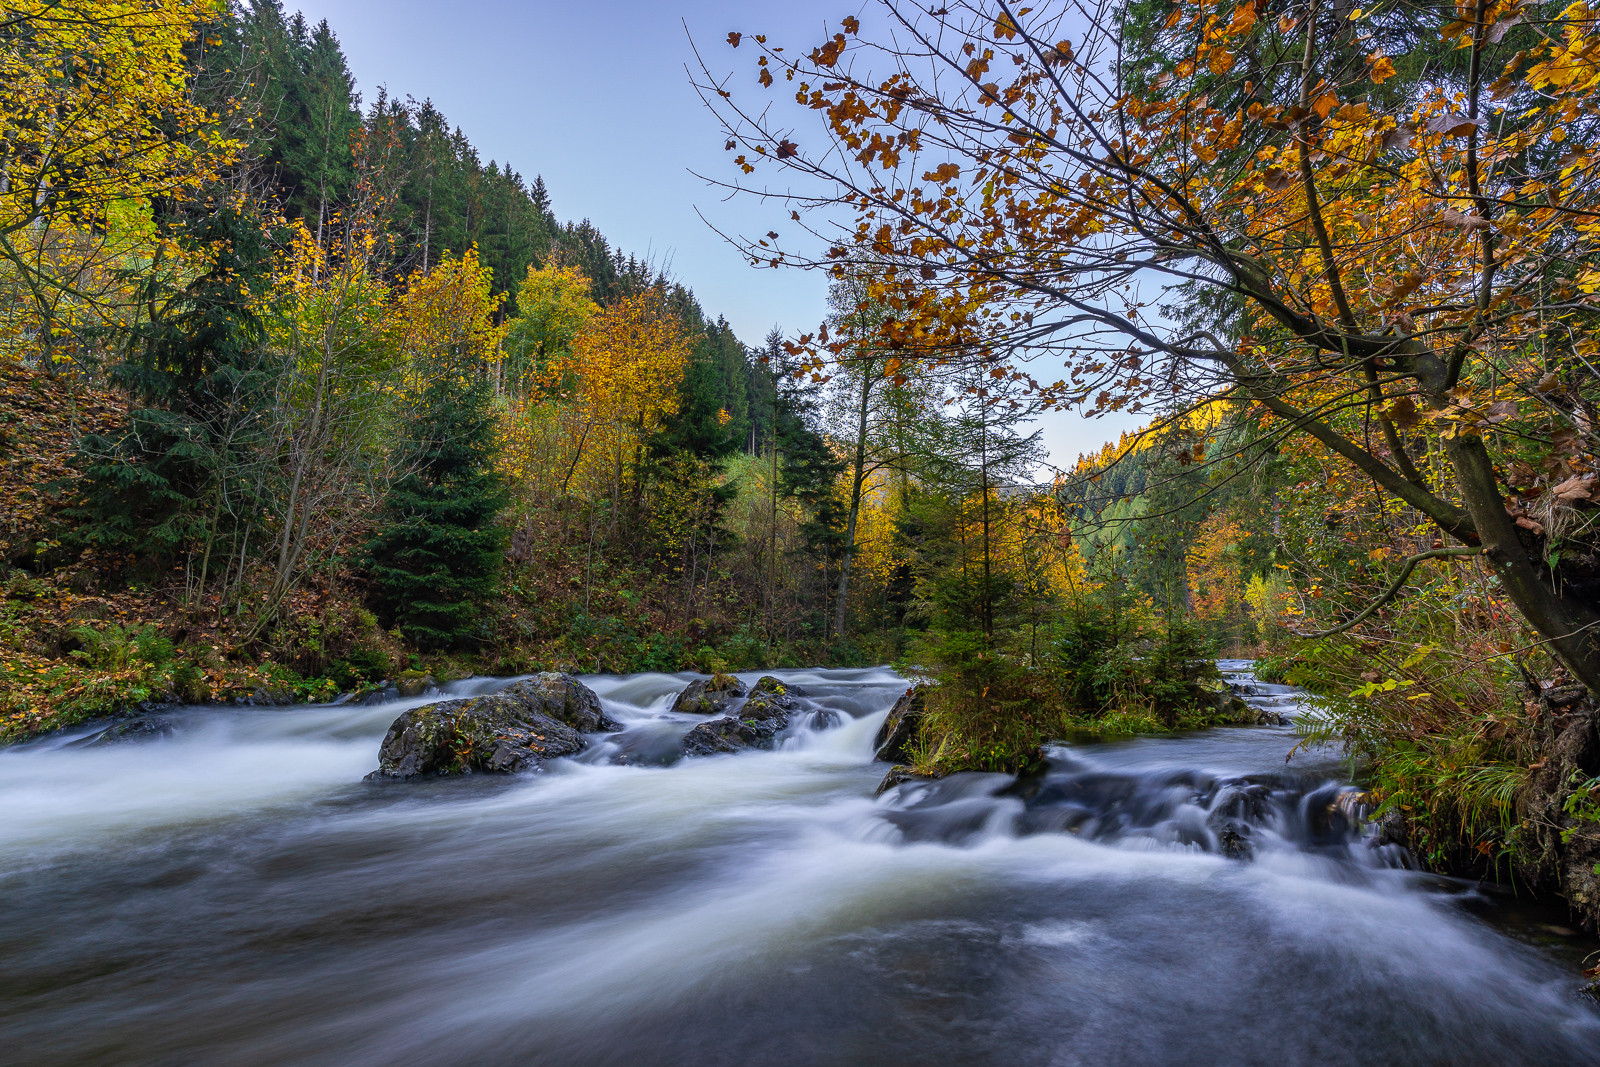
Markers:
1570,627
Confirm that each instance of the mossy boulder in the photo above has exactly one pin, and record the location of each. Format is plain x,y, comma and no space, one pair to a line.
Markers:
710,696
1224,708
756,724
770,699
732,733
899,730
515,729
414,683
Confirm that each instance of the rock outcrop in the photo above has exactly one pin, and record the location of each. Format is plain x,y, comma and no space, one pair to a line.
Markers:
515,729
710,696
1559,808
756,725
899,731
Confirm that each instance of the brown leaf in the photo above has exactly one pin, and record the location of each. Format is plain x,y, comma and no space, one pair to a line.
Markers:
1498,31
1578,487
1403,413
1277,180
1528,524
1452,124
1462,221
734,39
1501,410
1548,383
787,149
1399,137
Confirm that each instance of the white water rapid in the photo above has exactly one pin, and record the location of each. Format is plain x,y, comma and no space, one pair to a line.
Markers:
234,893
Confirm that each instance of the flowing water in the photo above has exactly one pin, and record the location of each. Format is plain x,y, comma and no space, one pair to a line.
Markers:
236,894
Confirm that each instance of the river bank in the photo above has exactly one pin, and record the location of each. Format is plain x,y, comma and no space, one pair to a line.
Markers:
235,892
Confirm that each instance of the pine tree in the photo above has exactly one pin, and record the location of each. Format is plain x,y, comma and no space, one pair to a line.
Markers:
437,558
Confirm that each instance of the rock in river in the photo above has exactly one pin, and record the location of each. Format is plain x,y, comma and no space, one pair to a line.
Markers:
515,729
710,696
144,728
899,730
756,725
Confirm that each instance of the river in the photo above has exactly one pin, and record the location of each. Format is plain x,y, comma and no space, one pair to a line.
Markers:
235,893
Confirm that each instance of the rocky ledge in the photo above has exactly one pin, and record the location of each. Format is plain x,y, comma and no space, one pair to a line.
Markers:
514,729
756,725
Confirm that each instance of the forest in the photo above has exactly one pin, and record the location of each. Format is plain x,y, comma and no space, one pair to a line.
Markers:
299,397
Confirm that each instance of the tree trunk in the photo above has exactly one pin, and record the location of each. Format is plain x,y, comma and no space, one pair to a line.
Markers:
1571,627
841,603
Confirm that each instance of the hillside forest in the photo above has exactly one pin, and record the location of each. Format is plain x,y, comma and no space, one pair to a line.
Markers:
299,396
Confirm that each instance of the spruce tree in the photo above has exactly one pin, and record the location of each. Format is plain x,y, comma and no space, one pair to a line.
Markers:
154,486
436,559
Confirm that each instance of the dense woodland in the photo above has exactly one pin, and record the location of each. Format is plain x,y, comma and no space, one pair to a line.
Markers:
299,395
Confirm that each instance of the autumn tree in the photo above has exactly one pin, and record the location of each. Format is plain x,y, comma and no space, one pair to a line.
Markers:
1406,279
97,117
553,307
620,378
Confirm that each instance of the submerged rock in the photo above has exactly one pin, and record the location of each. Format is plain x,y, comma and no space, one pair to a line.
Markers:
899,776
899,731
515,729
710,696
150,728
1233,839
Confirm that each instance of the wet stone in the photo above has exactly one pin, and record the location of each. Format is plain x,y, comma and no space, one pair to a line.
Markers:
515,729
710,696
135,730
899,730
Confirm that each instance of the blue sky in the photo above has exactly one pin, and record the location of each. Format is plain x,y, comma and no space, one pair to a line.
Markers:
594,96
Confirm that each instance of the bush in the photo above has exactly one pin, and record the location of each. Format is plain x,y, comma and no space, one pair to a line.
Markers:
1110,653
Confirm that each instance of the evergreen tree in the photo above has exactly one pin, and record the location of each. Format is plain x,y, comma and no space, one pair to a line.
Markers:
437,557
160,482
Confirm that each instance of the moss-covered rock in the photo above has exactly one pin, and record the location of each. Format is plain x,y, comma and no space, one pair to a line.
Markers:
732,734
710,696
515,729
414,683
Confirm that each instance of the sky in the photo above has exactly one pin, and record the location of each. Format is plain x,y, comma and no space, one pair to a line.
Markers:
595,97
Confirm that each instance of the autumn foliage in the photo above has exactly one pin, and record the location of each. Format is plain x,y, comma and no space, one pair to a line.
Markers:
1398,270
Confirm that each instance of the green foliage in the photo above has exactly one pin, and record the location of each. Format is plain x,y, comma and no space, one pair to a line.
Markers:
159,483
436,559
1110,653
984,713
